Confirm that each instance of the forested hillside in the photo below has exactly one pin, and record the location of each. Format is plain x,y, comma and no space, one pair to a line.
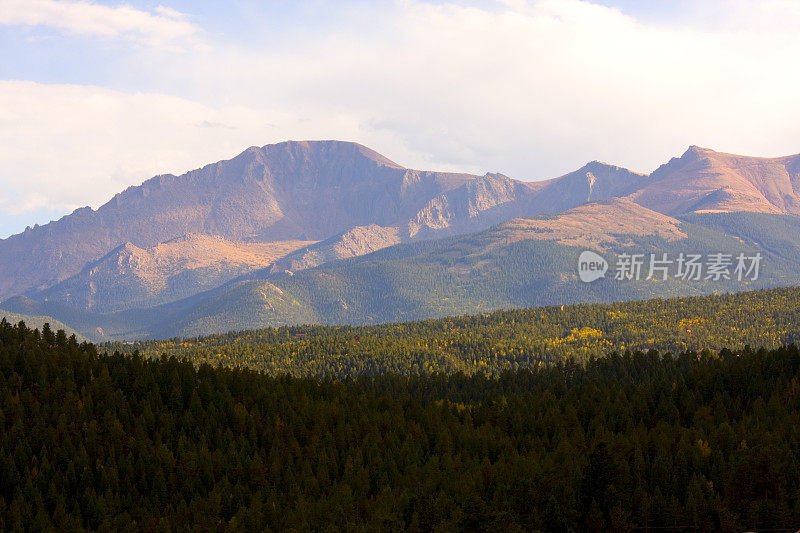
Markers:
328,232
522,263
504,340
38,322
691,443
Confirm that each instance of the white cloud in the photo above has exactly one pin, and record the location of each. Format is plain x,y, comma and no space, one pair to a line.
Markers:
530,89
65,146
87,18
539,88
170,13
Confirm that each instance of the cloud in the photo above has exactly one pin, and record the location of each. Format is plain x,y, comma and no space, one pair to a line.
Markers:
86,18
536,89
531,89
64,146
170,13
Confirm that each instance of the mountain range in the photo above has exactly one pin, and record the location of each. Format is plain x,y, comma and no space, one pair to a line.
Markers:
333,232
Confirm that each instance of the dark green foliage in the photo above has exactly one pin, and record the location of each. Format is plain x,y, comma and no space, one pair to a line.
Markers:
39,322
703,442
776,234
501,341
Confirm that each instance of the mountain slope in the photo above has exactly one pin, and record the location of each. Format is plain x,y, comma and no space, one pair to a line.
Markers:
286,191
593,182
332,232
131,277
703,180
521,263
38,321
475,205
305,191
360,240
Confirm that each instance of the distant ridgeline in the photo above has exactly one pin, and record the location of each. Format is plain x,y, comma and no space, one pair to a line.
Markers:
624,443
37,322
328,232
501,341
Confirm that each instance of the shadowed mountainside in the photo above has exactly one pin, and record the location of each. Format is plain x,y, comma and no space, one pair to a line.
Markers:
291,191
287,191
331,231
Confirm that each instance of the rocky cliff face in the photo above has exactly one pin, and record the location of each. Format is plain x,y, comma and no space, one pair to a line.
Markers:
480,202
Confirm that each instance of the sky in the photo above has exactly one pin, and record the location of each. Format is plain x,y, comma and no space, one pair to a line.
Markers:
98,96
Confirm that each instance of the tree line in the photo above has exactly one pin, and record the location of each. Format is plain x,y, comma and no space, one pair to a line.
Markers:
493,343
108,441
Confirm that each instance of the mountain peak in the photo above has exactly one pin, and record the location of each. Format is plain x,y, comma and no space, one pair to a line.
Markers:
597,164
602,166
328,148
696,148
495,176
592,182
704,180
695,151
293,190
